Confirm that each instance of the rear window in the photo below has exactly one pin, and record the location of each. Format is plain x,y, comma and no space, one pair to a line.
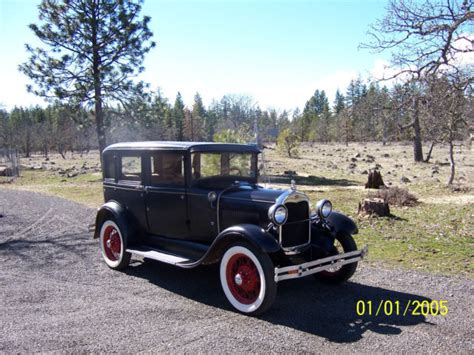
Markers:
109,167
131,168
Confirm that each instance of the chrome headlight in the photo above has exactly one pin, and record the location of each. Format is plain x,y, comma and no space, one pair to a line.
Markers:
324,208
278,214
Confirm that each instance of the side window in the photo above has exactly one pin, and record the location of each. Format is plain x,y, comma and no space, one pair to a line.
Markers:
109,167
131,168
167,169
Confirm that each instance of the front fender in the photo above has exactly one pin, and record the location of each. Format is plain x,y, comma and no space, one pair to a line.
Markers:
341,223
252,234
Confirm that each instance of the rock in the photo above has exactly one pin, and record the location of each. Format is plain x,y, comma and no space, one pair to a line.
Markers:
72,174
364,172
386,155
352,166
404,179
374,206
357,155
290,172
370,158
353,159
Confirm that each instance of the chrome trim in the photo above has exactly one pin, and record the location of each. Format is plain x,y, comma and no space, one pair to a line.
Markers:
293,196
313,267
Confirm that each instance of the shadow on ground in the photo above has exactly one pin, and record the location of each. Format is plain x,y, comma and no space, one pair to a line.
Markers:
305,305
310,180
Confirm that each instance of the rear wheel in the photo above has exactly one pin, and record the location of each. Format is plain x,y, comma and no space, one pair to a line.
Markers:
344,243
112,246
247,278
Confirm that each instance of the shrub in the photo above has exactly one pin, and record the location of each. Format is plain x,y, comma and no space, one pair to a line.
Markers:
396,196
288,143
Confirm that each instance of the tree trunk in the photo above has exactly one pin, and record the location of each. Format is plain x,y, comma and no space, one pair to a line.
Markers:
417,146
428,157
99,113
451,163
374,206
374,180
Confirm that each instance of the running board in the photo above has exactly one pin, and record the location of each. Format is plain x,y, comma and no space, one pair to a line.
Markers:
159,256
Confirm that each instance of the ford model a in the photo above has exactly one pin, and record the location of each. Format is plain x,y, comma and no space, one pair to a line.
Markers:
189,204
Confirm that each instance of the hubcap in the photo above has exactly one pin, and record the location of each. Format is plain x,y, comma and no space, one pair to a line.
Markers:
243,278
112,243
238,279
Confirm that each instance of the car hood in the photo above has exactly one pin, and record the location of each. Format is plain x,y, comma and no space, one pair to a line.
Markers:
256,194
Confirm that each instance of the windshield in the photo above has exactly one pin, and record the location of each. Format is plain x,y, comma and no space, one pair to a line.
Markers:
214,165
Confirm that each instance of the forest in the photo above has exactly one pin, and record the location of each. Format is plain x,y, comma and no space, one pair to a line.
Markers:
364,111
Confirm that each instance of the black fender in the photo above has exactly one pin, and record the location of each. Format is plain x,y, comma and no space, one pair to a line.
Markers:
113,209
340,223
250,233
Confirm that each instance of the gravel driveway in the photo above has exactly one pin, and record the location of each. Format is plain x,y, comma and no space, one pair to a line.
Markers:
57,294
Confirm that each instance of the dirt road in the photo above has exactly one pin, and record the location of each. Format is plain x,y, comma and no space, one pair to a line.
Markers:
57,294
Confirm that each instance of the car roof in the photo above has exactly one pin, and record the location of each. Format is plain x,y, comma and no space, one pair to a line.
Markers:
185,146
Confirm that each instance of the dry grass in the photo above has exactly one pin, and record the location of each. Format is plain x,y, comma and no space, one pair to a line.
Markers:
435,235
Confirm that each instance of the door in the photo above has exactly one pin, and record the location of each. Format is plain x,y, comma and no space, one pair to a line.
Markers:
129,189
166,195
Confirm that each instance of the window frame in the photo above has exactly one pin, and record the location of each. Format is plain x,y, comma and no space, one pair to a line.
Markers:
118,160
171,184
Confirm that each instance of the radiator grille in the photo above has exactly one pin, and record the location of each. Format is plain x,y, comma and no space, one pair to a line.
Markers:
295,231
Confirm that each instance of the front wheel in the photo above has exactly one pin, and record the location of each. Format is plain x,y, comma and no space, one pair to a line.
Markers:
247,278
344,243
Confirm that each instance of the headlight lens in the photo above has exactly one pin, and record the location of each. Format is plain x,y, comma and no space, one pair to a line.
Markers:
324,208
278,214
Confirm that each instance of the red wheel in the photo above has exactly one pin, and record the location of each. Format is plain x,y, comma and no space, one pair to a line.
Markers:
243,278
247,279
112,246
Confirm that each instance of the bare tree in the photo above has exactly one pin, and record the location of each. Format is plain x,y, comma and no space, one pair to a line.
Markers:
427,37
447,103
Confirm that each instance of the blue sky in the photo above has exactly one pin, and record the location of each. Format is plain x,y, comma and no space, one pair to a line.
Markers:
277,52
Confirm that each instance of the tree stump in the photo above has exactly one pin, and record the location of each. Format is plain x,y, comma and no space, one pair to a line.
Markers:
374,180
374,206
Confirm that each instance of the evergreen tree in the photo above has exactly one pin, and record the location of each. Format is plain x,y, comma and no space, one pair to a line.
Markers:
178,117
339,102
90,51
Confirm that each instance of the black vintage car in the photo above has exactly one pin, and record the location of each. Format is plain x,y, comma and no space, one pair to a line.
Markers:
189,204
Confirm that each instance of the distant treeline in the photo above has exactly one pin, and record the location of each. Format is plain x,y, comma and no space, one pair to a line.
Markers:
365,111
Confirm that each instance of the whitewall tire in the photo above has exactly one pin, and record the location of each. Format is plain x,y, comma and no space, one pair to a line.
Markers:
247,278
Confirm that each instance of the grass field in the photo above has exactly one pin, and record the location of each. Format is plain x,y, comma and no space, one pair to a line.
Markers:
436,235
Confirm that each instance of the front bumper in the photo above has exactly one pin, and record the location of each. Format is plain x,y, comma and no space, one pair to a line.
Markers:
315,266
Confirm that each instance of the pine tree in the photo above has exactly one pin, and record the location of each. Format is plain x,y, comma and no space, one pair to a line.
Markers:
178,117
90,51
339,102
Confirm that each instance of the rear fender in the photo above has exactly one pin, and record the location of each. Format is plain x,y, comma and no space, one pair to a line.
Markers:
113,210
